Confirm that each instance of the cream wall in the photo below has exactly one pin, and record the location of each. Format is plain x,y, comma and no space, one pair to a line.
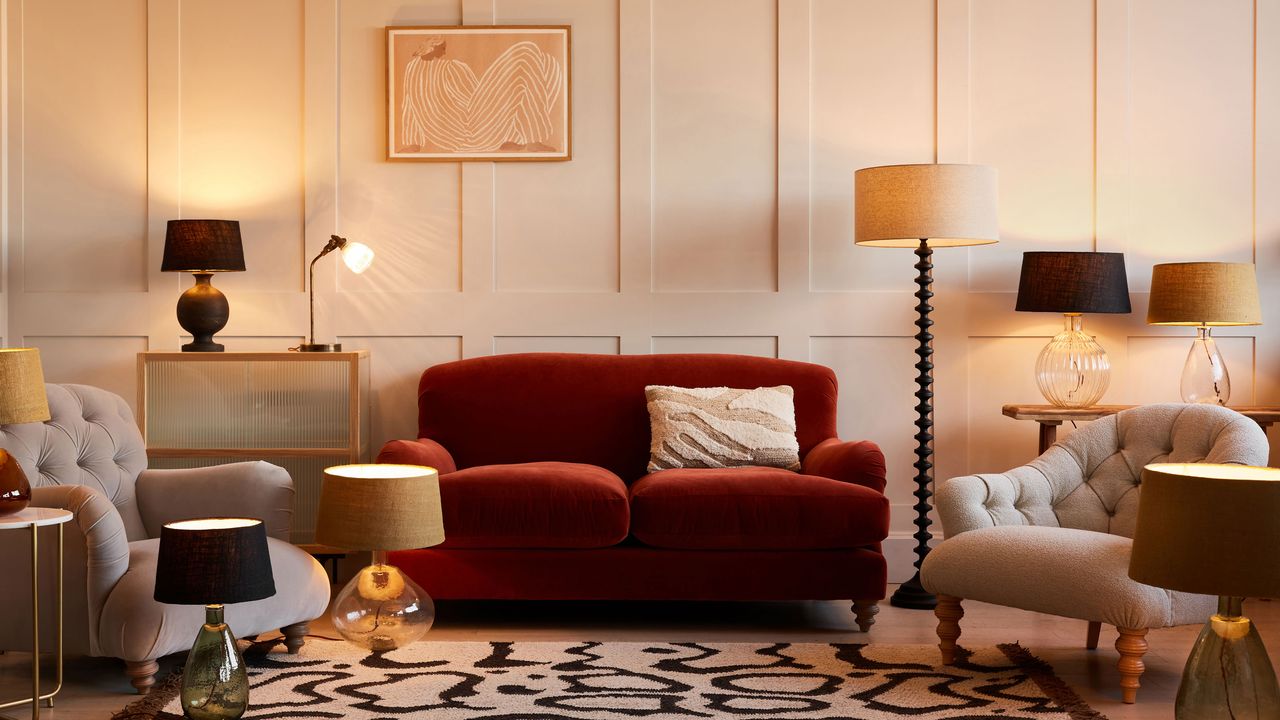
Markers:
707,207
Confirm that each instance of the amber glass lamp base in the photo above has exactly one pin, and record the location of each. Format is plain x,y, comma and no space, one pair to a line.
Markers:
15,491
1228,675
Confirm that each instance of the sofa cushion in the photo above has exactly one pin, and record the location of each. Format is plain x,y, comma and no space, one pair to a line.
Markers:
754,508
534,505
721,427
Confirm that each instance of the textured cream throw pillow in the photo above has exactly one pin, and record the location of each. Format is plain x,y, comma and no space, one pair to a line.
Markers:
722,427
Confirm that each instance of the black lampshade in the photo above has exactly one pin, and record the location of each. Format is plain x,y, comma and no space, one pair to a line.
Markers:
1073,282
202,246
213,561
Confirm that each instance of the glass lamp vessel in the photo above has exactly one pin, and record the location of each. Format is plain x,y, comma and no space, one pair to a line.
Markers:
382,608
379,508
1204,376
214,682
1073,370
1214,530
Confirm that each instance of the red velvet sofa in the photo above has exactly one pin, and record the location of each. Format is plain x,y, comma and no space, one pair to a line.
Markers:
542,463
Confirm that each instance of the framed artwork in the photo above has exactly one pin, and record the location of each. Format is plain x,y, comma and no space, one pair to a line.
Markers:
478,93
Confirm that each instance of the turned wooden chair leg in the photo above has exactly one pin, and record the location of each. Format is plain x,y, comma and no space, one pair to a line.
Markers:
294,636
1091,641
948,611
864,612
1132,645
142,674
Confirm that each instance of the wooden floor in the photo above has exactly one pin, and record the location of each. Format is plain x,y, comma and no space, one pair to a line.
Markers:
96,687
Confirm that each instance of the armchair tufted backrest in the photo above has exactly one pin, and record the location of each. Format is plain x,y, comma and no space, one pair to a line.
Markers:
1090,481
90,439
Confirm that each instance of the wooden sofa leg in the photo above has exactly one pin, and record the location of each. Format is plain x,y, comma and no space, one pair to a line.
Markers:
948,611
1091,640
142,674
294,636
1132,645
864,612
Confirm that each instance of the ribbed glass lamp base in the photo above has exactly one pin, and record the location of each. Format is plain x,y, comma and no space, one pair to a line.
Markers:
1073,370
1204,376
382,608
1228,675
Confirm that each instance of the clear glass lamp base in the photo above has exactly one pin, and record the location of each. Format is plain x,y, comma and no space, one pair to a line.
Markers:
1204,377
1073,370
1228,676
382,609
215,685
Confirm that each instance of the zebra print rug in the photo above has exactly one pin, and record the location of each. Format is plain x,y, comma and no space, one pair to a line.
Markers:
642,681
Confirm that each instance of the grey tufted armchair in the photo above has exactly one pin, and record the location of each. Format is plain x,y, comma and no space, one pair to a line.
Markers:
89,458
1053,536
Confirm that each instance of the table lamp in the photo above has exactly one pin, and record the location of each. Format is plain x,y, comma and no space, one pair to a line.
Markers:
381,508
203,247
357,257
212,562
1204,295
1073,370
1214,530
22,400
923,207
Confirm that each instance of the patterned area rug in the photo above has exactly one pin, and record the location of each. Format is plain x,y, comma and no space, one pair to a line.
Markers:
650,681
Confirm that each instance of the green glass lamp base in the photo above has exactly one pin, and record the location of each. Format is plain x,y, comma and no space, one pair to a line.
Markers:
214,682
1228,675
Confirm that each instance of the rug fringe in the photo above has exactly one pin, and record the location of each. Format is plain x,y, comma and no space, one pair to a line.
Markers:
1049,682
150,707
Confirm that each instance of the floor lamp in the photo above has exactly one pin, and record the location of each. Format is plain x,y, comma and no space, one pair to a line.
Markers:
924,207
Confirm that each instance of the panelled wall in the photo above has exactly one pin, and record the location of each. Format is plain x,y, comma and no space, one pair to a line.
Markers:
706,209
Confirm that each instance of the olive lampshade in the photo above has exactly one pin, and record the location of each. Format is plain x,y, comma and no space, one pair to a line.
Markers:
380,507
947,205
22,396
1204,293
1208,529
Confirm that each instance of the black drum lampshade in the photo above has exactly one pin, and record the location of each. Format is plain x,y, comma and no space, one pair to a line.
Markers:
203,247
214,561
1073,282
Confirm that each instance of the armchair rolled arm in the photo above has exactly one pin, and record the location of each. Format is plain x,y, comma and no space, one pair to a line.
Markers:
244,489
423,451
96,557
858,462
1022,496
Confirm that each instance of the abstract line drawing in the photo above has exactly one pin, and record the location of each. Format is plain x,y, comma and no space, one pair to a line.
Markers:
478,93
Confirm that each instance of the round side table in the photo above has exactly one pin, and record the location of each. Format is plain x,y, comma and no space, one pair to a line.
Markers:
32,519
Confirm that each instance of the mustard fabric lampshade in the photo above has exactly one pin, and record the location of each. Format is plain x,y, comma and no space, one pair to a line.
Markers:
380,507
22,396
1204,293
948,205
1209,529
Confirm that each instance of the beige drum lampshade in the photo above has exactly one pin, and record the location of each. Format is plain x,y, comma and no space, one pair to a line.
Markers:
22,396
948,205
380,507
1204,293
1209,529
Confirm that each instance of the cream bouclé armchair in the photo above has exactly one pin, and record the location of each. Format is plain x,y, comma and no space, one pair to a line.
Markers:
1053,536
89,458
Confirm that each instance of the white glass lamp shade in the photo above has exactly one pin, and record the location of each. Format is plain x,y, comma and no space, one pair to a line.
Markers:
1073,370
357,256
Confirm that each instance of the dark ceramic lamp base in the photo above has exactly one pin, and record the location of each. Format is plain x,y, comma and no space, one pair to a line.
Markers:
202,311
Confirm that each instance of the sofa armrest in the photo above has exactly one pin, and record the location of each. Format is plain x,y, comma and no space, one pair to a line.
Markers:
244,489
95,558
858,462
423,451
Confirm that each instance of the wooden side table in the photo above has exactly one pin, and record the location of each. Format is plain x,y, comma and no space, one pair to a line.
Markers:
34,518
1051,416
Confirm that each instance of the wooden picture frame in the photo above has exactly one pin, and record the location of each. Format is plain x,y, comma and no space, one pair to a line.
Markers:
519,74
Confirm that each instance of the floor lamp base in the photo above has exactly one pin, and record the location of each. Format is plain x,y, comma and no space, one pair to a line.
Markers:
912,596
